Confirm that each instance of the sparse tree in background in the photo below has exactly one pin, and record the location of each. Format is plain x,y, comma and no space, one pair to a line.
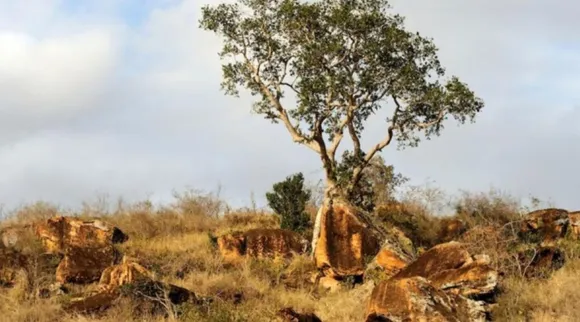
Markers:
322,68
288,199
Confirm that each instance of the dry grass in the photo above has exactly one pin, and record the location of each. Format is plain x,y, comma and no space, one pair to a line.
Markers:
174,242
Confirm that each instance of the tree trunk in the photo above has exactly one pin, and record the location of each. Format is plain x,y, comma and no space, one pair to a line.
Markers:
330,193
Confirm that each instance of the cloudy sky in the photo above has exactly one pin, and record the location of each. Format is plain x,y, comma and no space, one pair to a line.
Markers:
122,97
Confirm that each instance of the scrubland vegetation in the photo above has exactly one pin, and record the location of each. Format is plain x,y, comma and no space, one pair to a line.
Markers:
174,241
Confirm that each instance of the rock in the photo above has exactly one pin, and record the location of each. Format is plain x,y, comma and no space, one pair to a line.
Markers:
541,261
450,267
261,243
545,225
290,315
347,240
574,229
85,265
60,233
330,284
87,246
143,287
450,229
415,299
128,272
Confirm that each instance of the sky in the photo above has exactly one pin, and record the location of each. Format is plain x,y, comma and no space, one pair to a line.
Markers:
122,98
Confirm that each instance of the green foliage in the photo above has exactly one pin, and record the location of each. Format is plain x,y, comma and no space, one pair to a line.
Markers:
340,61
376,186
288,199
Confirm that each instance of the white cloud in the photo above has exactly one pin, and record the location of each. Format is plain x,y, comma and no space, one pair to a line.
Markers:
136,110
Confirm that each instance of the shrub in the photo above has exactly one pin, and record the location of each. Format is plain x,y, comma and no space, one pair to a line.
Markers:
288,199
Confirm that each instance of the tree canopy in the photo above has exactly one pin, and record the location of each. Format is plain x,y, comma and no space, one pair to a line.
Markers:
339,61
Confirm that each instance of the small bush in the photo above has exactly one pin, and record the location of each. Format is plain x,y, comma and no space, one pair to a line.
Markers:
288,199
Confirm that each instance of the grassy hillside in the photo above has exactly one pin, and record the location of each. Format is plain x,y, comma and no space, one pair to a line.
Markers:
173,241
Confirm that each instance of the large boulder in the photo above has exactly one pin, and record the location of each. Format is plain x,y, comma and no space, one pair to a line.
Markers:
347,240
450,267
60,233
85,264
261,243
541,261
395,254
87,246
416,299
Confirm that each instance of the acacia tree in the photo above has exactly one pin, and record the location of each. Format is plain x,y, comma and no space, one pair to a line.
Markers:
322,68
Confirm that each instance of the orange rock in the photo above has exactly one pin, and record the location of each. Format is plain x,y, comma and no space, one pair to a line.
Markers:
60,233
391,261
450,267
261,243
546,225
346,241
415,299
128,272
85,265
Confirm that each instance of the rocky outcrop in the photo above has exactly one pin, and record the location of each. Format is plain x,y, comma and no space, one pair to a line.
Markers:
395,254
87,246
416,299
261,243
445,283
450,267
290,315
347,241
545,226
143,287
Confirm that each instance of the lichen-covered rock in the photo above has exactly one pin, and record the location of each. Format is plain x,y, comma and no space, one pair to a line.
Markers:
347,241
415,299
60,233
260,243
450,267
545,225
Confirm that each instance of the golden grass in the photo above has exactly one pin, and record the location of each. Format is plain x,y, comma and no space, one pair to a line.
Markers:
174,242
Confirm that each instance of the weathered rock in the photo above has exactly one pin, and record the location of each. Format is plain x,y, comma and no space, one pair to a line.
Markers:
450,267
85,264
60,233
261,243
541,261
347,241
290,315
450,229
415,299
545,225
143,287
